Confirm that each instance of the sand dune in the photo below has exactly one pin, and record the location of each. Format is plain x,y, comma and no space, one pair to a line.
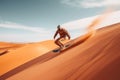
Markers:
97,58
22,54
31,51
8,47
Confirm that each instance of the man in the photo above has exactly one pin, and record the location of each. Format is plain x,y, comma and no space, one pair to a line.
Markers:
63,34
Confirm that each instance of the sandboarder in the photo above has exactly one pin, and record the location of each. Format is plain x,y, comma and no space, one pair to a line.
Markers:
62,35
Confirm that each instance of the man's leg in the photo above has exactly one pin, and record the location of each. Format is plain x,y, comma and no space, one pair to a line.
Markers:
59,43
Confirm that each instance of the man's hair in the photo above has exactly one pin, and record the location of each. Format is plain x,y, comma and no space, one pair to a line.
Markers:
58,26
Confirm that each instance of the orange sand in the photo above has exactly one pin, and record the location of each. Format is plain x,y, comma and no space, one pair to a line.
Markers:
98,58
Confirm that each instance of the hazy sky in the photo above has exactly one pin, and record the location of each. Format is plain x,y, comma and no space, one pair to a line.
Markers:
34,20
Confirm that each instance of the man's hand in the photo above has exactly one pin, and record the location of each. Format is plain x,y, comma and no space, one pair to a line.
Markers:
69,38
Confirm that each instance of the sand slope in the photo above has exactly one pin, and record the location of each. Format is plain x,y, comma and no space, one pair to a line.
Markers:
98,58
9,46
19,56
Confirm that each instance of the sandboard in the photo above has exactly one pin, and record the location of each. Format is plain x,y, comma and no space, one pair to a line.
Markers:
59,50
56,50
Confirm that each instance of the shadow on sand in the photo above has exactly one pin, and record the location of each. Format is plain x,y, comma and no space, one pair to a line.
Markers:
4,52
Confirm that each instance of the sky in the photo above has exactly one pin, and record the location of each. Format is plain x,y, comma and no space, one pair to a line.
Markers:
36,20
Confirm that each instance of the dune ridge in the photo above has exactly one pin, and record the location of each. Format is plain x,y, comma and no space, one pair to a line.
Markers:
6,47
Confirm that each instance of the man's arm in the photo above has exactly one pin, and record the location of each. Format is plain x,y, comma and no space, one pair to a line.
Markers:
68,35
55,34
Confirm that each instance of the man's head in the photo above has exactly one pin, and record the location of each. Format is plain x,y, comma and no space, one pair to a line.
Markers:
58,26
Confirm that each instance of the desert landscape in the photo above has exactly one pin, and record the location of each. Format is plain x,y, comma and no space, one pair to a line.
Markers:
91,58
59,39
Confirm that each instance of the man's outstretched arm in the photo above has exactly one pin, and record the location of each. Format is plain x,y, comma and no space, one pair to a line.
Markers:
55,34
68,35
